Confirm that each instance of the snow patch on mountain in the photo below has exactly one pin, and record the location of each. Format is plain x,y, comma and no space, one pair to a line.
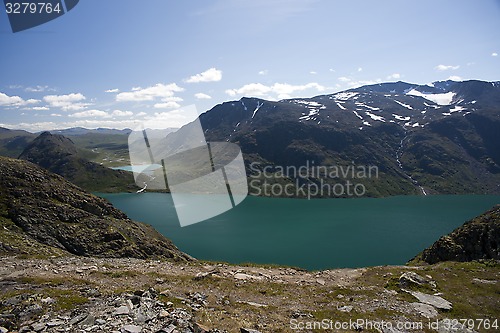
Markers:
441,99
344,96
357,114
375,117
403,104
257,108
367,106
340,106
398,117
457,108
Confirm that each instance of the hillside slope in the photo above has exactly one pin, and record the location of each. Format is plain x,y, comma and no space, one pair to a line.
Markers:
477,239
41,212
59,154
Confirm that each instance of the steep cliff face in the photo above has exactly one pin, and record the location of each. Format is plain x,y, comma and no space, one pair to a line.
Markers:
477,239
41,212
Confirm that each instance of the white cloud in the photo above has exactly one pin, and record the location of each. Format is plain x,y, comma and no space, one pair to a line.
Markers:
139,94
40,108
119,113
70,102
91,114
112,90
6,100
360,83
55,115
494,54
446,67
39,89
174,118
332,70
282,90
172,99
202,96
167,105
141,114
263,72
313,72
394,76
344,79
210,75
455,78
360,69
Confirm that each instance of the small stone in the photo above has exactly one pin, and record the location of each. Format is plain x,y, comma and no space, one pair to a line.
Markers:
3,330
37,327
320,281
100,321
169,329
47,300
77,319
345,308
131,329
53,323
88,321
122,310
163,314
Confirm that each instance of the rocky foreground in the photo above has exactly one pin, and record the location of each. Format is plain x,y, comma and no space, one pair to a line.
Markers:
77,294
71,262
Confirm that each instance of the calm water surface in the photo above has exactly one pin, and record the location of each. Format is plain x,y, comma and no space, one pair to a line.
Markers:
313,234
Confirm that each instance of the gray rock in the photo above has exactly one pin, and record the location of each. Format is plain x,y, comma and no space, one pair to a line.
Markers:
77,319
3,330
345,308
37,327
435,301
169,329
411,278
122,310
88,321
131,329
53,323
426,310
30,312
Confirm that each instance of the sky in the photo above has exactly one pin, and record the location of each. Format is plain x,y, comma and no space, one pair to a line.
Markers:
119,63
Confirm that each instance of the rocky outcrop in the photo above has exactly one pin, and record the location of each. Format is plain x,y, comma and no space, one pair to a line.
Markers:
477,239
59,155
43,209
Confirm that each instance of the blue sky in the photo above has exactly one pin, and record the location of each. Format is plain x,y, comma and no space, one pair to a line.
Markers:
116,63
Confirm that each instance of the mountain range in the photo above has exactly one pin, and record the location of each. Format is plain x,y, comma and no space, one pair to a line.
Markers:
440,138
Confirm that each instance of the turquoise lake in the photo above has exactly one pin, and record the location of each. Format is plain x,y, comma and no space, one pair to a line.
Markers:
312,234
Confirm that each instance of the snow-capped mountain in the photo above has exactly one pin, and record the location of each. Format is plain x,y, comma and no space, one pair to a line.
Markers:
437,138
